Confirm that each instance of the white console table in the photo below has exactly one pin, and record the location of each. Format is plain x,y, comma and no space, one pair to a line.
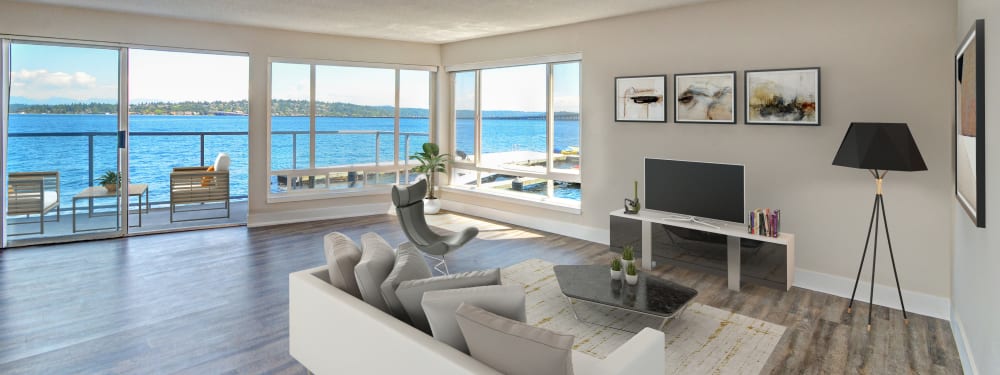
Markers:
733,233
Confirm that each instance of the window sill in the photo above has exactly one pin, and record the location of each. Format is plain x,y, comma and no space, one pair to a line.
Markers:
301,196
556,204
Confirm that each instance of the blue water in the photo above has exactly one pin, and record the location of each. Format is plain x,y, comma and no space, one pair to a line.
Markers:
153,157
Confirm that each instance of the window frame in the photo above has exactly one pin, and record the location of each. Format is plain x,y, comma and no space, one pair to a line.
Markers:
400,164
477,166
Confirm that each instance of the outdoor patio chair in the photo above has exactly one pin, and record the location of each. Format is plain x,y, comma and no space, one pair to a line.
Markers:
33,193
198,186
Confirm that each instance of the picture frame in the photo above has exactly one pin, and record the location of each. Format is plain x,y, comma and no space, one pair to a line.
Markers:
641,98
782,97
705,98
969,128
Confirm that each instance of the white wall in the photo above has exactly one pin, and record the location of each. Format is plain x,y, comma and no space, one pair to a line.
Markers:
260,43
976,267
884,60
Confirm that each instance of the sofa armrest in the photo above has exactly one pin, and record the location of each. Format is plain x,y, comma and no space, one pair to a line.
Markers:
642,354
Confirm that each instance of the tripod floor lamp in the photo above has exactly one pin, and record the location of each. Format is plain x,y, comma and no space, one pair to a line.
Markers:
879,148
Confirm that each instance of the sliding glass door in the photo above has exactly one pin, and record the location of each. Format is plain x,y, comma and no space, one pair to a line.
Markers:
101,141
61,129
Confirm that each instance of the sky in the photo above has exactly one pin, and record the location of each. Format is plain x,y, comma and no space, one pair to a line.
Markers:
56,74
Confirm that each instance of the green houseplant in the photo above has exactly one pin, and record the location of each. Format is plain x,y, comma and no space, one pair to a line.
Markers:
616,269
631,274
628,255
110,180
431,161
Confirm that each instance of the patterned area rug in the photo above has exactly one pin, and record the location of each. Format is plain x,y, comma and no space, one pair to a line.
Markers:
702,340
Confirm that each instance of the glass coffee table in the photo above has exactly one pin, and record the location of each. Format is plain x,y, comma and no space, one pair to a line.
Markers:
597,299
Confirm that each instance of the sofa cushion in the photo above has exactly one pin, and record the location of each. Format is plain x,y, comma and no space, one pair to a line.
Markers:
410,265
513,347
221,162
440,306
342,255
411,292
376,263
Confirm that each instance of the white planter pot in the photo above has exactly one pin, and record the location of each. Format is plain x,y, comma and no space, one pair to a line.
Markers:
616,275
626,263
631,279
432,206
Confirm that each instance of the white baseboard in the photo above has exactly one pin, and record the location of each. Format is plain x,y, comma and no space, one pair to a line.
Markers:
582,232
964,349
916,302
314,214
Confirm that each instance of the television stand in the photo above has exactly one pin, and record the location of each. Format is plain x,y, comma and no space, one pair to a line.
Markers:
691,219
724,249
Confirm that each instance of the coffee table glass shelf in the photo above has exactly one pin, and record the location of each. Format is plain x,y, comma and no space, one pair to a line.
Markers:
597,299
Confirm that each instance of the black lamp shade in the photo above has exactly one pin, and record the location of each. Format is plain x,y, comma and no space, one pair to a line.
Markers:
879,146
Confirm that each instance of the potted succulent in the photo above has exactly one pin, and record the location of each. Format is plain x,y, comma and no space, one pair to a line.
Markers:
628,255
110,180
431,162
616,269
631,274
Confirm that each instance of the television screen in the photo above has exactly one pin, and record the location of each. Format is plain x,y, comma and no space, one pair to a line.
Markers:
705,190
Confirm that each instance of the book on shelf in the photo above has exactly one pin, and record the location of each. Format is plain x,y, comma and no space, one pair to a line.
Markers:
764,222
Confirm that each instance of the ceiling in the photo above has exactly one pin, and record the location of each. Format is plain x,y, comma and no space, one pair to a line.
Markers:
429,21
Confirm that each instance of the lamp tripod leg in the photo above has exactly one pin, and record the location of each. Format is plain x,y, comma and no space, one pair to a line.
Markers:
892,258
863,255
871,291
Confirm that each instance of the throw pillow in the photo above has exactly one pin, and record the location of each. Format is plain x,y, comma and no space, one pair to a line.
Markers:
222,162
342,255
411,292
376,262
207,180
410,265
512,347
440,306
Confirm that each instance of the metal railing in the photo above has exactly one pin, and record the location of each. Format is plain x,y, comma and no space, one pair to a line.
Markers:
201,136
378,135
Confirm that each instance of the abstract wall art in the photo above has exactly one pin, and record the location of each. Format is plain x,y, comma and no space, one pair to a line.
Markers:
705,98
782,96
970,124
641,99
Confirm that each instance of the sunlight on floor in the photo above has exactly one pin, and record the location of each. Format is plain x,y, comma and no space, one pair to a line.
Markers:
488,231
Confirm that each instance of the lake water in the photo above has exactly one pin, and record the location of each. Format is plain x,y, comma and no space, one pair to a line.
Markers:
152,157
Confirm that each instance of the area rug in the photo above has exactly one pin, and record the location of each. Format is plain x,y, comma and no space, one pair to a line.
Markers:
702,340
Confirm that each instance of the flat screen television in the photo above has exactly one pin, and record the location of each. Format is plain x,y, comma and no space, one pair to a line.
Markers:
698,189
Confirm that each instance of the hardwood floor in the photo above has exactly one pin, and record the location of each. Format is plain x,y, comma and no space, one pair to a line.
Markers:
216,301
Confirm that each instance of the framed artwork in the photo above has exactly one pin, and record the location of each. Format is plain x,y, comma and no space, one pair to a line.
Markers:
782,97
705,98
970,124
641,99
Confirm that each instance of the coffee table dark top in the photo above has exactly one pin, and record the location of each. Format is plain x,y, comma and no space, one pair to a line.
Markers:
651,295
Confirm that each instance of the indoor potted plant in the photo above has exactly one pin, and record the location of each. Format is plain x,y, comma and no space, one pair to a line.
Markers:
110,180
616,269
631,274
628,256
431,162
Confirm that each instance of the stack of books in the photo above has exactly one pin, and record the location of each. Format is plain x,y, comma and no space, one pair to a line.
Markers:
764,221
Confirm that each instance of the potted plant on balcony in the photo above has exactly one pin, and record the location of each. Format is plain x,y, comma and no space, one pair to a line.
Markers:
431,161
110,180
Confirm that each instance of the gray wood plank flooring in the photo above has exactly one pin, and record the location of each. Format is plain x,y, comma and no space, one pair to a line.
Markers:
216,302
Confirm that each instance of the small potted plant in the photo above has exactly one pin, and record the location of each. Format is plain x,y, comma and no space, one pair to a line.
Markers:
431,162
628,255
110,180
631,274
616,269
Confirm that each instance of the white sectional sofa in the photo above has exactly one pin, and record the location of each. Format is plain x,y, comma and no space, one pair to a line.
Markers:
332,332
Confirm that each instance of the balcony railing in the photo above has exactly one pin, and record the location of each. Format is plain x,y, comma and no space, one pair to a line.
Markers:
90,137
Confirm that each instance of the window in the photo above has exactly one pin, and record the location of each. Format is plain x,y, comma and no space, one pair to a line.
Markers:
337,128
517,132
